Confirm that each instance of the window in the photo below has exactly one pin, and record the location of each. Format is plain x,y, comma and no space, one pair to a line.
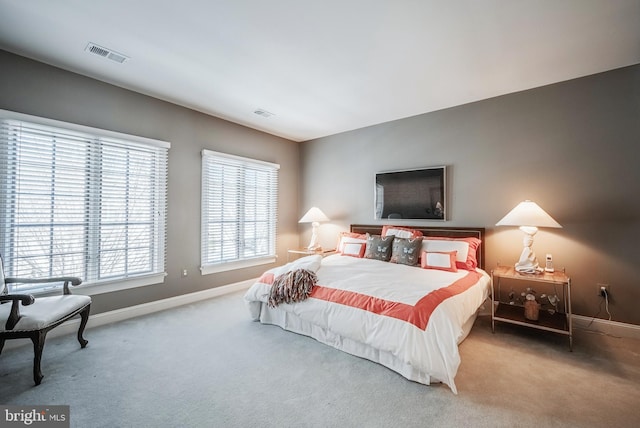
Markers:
239,212
79,201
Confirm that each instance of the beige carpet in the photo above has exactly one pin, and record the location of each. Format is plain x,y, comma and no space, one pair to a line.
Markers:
532,375
208,365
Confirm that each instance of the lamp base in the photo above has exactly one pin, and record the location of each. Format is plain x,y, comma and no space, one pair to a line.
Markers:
528,262
313,244
534,268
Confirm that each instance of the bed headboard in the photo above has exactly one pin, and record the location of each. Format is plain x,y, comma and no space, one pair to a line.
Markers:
449,232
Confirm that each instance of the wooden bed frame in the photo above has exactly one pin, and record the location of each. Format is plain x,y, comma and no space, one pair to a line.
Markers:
449,232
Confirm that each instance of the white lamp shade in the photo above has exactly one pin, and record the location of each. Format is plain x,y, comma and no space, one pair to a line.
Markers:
314,215
528,213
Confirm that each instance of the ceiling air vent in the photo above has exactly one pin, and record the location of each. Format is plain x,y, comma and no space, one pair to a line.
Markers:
263,113
106,53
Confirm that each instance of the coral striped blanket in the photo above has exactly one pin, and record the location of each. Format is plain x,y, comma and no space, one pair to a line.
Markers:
404,317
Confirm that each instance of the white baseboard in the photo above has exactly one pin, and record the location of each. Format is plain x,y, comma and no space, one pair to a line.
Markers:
71,327
599,325
612,328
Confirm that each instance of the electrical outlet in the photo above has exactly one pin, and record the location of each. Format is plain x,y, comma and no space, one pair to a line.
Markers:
184,273
601,288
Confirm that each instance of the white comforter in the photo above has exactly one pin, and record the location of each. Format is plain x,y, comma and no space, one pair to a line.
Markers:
379,312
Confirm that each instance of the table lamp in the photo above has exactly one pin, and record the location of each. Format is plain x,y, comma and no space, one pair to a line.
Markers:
528,216
314,216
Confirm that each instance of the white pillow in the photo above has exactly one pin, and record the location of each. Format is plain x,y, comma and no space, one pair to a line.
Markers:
400,232
465,247
438,246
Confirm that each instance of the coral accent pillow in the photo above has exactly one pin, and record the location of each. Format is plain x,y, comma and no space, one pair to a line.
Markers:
439,260
466,248
354,249
400,232
350,237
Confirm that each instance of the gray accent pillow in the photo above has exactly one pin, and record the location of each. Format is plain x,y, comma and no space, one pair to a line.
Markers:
378,247
406,251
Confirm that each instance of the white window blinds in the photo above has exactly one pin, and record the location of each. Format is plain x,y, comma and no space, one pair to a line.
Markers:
239,212
79,201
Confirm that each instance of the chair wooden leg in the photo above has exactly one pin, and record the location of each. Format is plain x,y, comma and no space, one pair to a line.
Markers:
84,315
38,338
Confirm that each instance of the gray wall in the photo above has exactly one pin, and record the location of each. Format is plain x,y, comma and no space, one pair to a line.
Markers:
34,88
572,147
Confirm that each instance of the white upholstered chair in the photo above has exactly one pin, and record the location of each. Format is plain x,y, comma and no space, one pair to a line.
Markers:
24,316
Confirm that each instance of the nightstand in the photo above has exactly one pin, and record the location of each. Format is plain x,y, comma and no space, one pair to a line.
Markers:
305,252
546,282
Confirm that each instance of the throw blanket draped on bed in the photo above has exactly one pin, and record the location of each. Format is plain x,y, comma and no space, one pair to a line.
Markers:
290,287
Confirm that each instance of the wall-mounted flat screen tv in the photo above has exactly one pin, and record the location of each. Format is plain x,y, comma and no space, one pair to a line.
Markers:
411,194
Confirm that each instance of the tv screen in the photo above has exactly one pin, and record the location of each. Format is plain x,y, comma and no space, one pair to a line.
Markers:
411,194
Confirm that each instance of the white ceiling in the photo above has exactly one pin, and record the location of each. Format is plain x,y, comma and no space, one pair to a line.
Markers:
328,66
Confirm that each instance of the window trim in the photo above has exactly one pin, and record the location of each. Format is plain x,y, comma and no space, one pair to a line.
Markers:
206,269
90,131
224,267
105,286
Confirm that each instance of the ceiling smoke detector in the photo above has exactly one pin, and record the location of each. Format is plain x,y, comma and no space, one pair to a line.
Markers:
106,53
263,113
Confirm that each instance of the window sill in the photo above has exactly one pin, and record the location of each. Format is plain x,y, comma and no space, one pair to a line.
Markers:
92,289
223,267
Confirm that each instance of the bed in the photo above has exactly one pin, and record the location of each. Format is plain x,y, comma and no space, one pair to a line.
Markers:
375,300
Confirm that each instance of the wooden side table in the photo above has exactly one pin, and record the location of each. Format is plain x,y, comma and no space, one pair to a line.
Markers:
557,322
305,252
